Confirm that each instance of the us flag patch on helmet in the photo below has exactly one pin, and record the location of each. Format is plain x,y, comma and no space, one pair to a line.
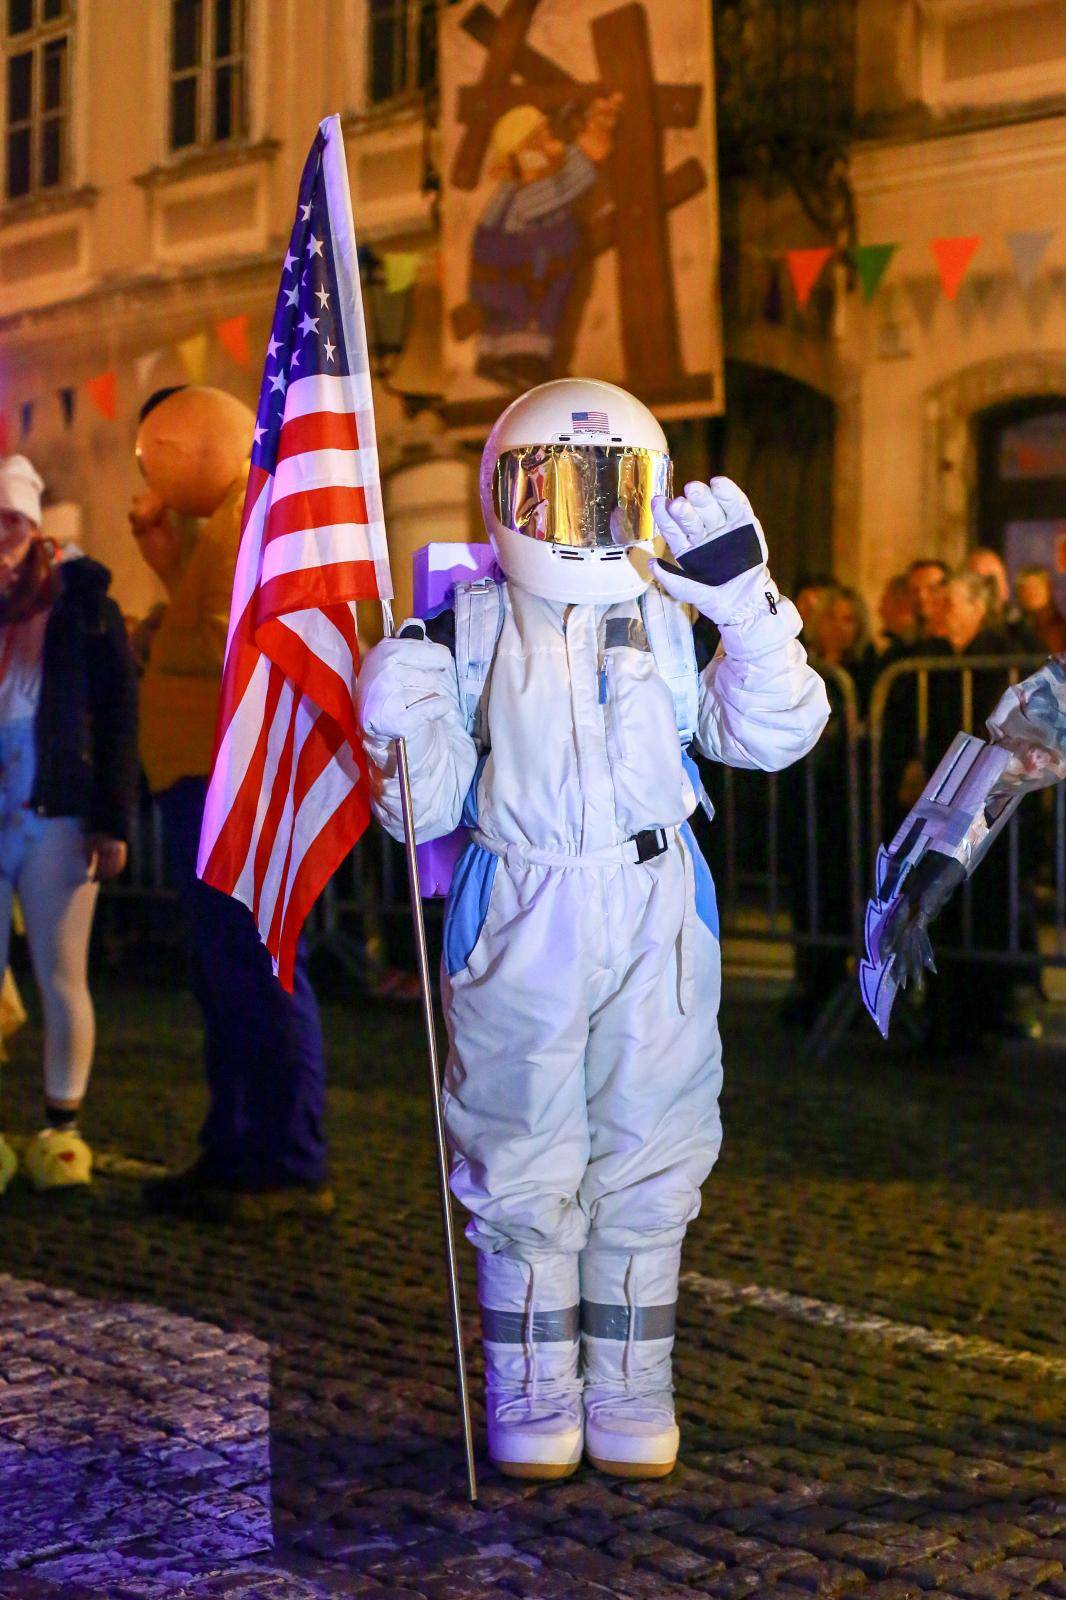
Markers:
589,422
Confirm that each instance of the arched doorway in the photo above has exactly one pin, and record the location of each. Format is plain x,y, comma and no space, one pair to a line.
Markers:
1021,484
776,440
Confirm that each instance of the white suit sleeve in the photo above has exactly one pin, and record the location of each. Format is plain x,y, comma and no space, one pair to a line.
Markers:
397,694
761,704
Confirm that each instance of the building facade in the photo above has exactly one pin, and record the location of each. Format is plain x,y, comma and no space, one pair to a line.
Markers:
947,416
153,150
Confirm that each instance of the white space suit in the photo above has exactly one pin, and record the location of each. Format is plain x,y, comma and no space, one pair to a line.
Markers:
581,963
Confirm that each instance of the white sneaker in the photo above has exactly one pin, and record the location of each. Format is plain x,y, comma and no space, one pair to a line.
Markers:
529,1315
628,1304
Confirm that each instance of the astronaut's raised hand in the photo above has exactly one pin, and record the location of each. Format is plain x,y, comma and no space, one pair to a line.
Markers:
719,549
405,684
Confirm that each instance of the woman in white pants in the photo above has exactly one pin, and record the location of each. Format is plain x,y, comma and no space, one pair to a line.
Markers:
67,783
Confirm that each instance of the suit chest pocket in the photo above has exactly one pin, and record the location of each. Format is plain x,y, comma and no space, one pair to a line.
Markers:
638,711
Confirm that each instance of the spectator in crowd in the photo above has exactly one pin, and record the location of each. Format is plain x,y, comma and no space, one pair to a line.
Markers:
263,1150
839,626
840,637
811,590
68,779
1006,627
898,620
926,578
1036,603
970,620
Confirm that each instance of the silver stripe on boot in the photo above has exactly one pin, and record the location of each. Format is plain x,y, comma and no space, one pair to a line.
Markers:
612,1322
542,1327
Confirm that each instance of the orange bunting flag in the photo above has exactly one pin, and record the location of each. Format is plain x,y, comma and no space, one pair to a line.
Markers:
805,268
953,257
103,392
232,335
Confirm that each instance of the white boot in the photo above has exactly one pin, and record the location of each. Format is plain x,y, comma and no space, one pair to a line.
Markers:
628,1305
529,1323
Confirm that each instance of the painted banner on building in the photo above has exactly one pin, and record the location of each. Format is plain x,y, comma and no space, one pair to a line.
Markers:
580,205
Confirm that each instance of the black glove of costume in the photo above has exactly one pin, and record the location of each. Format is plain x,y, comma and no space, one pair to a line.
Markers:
926,891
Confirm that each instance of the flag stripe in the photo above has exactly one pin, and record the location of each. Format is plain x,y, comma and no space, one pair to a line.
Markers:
319,430
274,808
320,861
322,468
319,508
326,586
229,849
325,392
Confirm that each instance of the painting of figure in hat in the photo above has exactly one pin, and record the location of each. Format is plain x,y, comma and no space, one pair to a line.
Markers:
530,243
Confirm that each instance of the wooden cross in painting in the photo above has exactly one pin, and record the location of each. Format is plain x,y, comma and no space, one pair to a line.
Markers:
641,192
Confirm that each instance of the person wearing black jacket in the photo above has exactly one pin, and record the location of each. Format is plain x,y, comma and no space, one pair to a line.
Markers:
68,779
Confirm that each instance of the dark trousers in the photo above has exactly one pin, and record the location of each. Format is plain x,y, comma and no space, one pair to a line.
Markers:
263,1049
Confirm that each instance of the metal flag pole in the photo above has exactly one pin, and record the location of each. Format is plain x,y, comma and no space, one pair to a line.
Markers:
429,1021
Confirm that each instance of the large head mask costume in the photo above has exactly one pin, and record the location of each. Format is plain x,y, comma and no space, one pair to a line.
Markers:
567,479
191,446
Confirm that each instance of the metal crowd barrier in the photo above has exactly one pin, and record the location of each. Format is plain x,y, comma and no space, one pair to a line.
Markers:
756,873
791,853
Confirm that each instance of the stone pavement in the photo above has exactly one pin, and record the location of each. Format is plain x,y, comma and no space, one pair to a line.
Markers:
871,1372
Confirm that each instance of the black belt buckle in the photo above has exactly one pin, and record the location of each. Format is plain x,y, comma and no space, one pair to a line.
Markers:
650,842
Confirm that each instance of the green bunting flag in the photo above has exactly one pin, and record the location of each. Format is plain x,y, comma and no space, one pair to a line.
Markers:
871,263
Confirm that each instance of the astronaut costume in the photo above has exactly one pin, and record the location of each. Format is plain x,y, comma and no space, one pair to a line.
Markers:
581,957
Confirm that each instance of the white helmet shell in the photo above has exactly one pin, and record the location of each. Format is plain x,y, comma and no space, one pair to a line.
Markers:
582,411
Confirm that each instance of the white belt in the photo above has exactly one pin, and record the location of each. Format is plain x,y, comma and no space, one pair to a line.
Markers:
630,851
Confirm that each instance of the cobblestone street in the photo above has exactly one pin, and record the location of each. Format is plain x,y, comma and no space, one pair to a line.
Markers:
870,1365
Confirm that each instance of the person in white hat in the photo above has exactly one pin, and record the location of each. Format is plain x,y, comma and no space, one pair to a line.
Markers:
68,777
581,954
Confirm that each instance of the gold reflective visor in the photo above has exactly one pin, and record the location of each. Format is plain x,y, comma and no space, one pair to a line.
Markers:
586,496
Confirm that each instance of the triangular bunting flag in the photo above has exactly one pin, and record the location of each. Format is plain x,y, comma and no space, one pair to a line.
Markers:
232,335
953,256
25,418
1029,249
66,405
401,269
5,434
103,392
871,263
192,353
142,368
805,268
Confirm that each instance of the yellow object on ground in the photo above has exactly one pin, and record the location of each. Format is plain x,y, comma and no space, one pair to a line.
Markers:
57,1159
8,1163
12,1011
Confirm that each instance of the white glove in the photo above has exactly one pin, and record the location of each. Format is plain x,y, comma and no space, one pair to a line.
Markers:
404,685
720,550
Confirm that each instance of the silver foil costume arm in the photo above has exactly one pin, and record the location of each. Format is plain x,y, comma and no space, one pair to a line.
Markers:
964,806
1030,724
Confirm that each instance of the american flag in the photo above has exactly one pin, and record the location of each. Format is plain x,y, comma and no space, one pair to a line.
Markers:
289,794
589,422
